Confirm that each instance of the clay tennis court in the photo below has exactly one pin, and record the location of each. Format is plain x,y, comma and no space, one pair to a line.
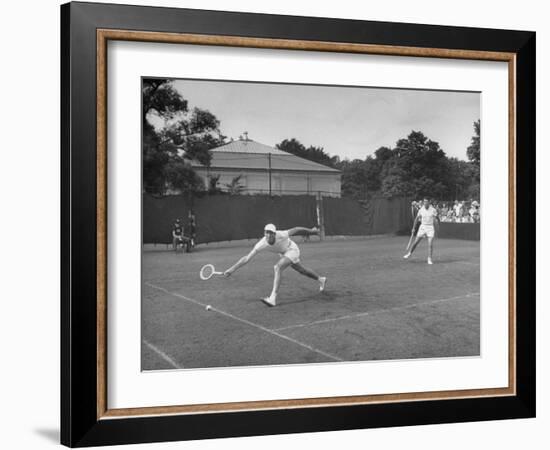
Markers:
376,306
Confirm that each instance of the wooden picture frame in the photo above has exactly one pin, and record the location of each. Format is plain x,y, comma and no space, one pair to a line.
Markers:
85,416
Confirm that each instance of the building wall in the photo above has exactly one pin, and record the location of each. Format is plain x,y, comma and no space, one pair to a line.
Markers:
282,183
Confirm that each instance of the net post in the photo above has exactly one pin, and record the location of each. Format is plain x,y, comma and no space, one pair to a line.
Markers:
320,214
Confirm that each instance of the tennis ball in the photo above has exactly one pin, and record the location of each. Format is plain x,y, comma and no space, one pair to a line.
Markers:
208,307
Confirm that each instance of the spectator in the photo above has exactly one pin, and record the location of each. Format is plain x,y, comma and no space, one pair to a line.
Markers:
456,210
177,234
474,212
444,210
459,211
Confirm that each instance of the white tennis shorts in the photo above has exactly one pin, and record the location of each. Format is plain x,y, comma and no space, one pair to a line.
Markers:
293,253
426,231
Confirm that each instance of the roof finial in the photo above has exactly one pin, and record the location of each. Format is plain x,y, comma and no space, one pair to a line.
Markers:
246,135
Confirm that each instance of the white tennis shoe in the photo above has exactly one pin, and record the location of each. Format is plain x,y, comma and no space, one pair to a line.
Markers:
322,283
407,256
270,301
430,261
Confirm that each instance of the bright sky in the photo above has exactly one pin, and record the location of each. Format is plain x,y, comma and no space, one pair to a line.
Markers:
349,122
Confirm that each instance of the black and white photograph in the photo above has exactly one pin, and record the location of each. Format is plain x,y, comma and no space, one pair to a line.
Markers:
299,223
285,224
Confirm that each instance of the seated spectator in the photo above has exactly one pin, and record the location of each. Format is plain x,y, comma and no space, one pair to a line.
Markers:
177,234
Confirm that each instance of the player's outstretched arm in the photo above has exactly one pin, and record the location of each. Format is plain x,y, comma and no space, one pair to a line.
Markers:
241,262
302,230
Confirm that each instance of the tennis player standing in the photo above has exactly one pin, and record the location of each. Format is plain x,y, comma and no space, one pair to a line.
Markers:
427,216
278,241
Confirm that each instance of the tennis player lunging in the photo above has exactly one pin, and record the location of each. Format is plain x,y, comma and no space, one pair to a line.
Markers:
278,241
427,216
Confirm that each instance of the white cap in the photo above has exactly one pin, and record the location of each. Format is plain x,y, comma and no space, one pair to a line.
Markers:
270,227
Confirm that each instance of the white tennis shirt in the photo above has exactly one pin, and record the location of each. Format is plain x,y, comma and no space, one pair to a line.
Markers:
427,215
282,244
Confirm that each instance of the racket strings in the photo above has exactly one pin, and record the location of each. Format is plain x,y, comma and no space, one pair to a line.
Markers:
207,271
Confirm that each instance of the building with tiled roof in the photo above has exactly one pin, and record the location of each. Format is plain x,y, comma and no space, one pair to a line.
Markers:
265,169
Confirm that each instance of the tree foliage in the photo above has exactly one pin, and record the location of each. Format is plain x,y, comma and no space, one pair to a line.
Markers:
214,184
474,155
235,187
173,135
359,177
316,154
415,167
473,151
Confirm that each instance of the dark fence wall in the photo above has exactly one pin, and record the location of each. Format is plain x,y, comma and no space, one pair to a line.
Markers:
467,231
391,215
228,218
159,215
345,216
224,217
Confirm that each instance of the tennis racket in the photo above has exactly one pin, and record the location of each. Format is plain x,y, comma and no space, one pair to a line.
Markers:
208,271
410,240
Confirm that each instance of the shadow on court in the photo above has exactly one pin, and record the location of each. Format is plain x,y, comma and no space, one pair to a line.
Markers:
376,305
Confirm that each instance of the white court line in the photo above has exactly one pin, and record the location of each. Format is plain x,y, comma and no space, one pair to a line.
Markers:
468,263
370,313
248,322
163,355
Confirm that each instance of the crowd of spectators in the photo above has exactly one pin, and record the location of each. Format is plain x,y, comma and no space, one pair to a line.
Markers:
457,212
